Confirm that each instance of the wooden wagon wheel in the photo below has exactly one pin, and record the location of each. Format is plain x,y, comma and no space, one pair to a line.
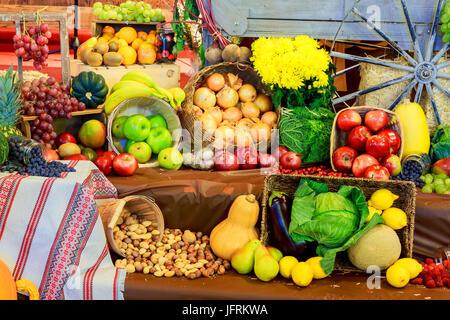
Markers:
422,70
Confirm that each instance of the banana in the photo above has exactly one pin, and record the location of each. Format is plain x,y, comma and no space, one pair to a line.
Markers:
169,96
139,76
127,84
124,94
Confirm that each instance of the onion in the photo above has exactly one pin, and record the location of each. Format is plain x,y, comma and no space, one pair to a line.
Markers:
204,98
208,123
224,135
263,102
215,82
232,114
260,132
197,111
227,98
226,123
270,118
247,93
233,81
245,124
250,110
216,113
242,138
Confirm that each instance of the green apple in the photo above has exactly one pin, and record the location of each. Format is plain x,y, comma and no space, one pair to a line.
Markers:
128,144
117,127
159,139
170,158
157,121
136,128
141,151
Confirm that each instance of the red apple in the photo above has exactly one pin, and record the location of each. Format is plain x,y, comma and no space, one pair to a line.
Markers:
99,152
76,157
279,152
361,163
378,146
376,120
125,164
225,161
247,157
291,160
348,119
266,160
104,164
376,172
343,158
357,138
394,139
441,166
110,155
65,137
393,163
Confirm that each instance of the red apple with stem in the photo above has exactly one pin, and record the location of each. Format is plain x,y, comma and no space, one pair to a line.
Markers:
125,164
394,139
358,137
393,163
378,146
343,158
348,119
376,120
361,163
376,172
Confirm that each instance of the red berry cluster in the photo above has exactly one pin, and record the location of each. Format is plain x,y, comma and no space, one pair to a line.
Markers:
434,275
32,44
314,171
48,100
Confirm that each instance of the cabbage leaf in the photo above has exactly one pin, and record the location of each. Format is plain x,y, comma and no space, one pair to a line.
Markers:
335,220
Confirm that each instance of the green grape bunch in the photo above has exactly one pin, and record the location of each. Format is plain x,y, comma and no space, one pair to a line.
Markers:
138,11
445,20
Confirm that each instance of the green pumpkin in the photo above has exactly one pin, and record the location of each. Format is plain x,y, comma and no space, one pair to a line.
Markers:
90,88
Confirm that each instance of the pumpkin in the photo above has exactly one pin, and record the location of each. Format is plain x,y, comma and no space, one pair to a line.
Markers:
237,229
7,284
90,88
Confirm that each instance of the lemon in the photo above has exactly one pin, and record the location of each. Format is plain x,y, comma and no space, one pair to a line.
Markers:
372,211
397,276
302,274
395,218
287,263
314,263
382,199
413,267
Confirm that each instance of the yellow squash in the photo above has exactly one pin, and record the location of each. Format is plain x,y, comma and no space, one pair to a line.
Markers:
237,229
416,138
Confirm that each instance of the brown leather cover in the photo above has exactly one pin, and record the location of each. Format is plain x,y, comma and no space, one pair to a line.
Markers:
198,200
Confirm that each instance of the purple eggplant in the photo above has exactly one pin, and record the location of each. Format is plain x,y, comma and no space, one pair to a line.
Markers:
280,217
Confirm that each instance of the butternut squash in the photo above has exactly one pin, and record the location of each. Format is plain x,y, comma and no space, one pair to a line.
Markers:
237,229
7,284
416,137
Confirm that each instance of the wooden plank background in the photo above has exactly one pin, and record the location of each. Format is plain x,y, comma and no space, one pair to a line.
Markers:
163,4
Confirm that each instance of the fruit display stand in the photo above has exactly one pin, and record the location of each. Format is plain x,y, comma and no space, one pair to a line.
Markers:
98,25
59,17
166,75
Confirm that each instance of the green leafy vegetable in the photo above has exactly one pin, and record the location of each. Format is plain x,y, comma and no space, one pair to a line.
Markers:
307,131
440,143
335,220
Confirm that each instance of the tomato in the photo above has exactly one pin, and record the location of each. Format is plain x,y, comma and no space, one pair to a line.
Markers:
358,137
343,158
104,164
376,120
394,139
125,164
348,119
378,146
377,172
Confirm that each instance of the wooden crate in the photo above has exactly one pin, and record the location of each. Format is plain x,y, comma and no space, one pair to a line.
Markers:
59,17
320,19
166,75
98,25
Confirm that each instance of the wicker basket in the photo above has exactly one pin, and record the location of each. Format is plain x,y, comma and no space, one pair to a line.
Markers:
145,106
406,201
339,138
187,116
141,206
